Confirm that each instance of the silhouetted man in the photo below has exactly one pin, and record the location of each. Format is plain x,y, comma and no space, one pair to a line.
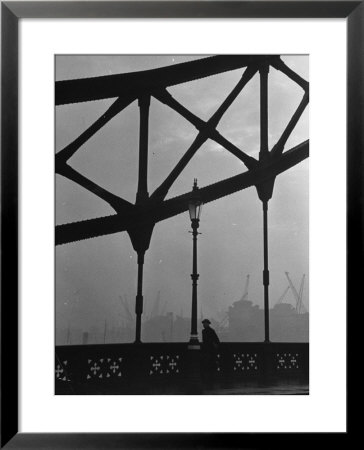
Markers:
210,345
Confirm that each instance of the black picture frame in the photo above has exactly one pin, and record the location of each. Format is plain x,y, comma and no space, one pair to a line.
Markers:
11,13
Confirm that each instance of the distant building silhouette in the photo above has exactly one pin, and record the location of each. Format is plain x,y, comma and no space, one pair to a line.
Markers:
243,322
287,325
246,322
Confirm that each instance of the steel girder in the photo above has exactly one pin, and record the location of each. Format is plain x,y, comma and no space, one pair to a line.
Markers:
139,219
156,211
111,86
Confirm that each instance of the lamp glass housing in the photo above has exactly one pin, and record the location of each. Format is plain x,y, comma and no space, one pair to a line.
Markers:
195,207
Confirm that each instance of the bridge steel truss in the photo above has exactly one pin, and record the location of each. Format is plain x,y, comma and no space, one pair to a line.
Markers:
139,219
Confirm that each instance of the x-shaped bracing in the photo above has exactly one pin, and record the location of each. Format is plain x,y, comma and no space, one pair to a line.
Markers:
139,219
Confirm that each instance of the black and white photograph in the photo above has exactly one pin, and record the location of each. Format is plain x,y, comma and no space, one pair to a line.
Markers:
182,224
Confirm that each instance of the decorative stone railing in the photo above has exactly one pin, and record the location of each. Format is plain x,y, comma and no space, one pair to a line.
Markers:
172,367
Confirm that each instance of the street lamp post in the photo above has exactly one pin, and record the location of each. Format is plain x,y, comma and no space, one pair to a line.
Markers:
194,207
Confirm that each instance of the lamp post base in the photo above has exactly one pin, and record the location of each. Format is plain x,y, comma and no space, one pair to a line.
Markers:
194,343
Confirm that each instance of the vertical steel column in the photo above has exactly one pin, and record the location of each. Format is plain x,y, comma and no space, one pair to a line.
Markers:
142,195
266,271
139,298
263,155
194,276
144,104
264,70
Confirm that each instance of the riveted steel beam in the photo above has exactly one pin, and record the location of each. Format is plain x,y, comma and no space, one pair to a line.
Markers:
154,211
111,86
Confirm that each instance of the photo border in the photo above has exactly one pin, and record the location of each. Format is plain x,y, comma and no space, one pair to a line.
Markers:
11,13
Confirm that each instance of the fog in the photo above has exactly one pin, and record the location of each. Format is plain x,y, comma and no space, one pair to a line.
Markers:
92,274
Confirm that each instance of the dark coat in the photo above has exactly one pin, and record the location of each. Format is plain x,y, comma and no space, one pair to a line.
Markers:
210,340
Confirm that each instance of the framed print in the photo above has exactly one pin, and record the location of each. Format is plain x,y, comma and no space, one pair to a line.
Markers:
156,140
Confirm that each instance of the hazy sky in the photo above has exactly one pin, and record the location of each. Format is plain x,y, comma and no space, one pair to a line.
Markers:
91,274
